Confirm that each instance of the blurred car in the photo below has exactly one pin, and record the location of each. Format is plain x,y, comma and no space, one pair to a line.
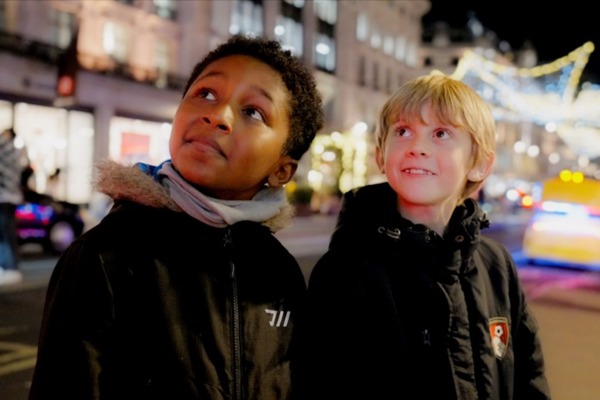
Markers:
51,223
518,194
564,229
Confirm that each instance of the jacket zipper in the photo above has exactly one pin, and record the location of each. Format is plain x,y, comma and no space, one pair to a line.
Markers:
236,341
426,337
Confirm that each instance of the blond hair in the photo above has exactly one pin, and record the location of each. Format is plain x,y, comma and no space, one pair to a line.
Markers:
453,103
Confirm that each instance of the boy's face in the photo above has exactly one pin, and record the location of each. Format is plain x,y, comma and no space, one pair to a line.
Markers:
230,128
428,164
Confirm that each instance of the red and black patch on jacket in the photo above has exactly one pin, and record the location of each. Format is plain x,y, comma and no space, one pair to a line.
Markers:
499,334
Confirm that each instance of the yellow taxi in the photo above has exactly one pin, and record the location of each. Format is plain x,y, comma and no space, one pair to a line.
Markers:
565,226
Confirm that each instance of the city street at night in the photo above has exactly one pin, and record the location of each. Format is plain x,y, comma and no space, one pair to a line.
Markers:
109,100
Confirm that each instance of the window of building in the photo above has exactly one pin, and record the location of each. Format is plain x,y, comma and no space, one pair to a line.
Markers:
326,10
388,81
412,54
362,27
325,43
400,48
295,3
3,22
289,29
115,41
375,76
247,17
325,52
166,9
161,62
375,40
62,27
362,71
388,45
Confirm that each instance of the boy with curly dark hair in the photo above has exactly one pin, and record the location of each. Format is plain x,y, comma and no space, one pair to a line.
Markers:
182,291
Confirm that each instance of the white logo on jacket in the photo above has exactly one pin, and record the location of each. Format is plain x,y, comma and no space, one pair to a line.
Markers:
278,318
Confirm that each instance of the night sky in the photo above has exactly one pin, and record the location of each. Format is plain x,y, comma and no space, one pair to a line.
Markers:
553,28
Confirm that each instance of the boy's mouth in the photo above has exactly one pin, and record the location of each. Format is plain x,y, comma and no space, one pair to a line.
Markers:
206,143
417,171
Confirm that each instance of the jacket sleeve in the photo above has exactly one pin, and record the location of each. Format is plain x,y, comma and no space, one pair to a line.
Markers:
330,331
75,328
530,378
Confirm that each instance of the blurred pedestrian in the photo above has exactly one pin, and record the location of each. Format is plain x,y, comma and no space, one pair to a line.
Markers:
53,185
182,291
10,196
411,300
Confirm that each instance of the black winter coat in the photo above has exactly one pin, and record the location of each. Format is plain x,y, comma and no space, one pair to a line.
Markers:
395,311
153,304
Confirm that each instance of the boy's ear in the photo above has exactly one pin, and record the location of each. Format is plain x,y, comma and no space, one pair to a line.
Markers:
379,157
480,171
283,173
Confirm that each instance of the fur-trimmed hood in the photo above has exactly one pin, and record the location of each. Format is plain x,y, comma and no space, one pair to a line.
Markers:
130,183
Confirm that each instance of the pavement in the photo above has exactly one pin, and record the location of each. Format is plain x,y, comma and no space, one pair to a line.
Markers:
308,235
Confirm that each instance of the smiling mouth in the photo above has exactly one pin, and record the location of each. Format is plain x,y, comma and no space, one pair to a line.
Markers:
417,171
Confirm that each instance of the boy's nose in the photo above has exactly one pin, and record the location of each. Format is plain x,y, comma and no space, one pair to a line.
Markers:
418,149
220,118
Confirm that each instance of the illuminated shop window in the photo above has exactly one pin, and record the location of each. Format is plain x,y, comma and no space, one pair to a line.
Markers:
6,115
55,138
137,140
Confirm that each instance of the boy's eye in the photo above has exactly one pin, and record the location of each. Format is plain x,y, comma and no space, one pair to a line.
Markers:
206,94
401,131
254,113
442,134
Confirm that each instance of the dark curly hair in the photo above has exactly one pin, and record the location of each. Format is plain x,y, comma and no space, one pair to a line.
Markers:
305,104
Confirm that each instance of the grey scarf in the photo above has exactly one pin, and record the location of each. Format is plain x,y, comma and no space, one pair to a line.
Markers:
267,203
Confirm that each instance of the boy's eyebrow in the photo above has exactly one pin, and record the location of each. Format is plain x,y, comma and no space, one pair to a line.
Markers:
222,75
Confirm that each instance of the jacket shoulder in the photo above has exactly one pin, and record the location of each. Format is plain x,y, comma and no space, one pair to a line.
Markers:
362,209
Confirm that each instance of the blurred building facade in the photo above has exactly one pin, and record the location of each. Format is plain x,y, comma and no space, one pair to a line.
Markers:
133,58
85,80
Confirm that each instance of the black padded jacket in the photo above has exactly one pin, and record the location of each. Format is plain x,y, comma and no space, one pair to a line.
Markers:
395,311
153,304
